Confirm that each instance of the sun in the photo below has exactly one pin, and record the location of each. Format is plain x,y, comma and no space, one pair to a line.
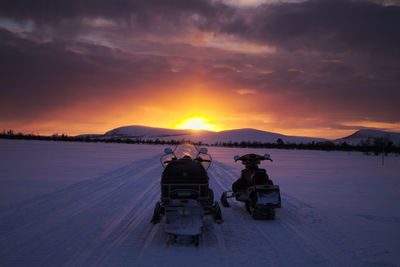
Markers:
197,123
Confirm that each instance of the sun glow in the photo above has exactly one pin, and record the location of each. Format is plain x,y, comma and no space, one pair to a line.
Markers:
197,123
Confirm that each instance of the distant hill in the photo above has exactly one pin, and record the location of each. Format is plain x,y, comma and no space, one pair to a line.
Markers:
208,137
137,131
369,134
237,135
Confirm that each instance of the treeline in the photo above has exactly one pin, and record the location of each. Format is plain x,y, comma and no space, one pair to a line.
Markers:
374,146
10,134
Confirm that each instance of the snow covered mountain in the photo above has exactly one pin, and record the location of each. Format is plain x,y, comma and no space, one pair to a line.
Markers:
369,134
137,131
208,137
251,135
237,135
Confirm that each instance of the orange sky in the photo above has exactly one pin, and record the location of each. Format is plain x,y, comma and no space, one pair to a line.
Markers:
273,65
219,108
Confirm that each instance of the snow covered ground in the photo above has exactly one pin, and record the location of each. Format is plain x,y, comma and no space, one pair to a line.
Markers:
83,204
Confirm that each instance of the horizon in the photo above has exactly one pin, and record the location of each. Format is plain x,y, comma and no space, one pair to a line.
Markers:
193,130
314,68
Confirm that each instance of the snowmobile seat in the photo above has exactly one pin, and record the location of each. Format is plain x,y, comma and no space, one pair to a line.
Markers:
184,171
186,178
251,177
260,177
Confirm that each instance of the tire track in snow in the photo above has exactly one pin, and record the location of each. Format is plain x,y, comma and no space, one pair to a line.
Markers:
235,217
71,199
289,232
220,181
147,243
314,232
126,223
118,228
105,221
241,221
71,223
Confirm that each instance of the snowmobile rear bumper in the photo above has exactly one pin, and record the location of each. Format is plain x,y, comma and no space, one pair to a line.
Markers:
184,217
268,195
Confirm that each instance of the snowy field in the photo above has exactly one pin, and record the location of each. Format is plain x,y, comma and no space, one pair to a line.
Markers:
83,204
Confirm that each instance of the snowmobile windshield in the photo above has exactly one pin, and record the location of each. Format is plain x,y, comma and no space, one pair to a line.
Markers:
188,152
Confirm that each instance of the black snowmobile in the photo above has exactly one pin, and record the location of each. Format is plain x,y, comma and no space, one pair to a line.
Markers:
255,188
185,193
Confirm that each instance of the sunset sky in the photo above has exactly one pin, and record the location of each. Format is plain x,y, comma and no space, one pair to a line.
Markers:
316,68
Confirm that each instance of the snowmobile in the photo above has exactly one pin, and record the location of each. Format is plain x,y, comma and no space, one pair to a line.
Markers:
186,196
255,189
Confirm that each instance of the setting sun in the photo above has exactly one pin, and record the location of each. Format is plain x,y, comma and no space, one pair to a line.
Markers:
197,123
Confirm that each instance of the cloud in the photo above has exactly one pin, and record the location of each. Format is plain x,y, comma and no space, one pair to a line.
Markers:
246,92
327,61
307,26
40,77
157,15
329,26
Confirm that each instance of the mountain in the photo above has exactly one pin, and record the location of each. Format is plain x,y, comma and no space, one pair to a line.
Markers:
137,131
237,135
369,134
203,136
251,135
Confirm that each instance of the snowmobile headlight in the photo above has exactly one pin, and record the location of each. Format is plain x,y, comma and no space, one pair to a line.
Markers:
203,150
168,150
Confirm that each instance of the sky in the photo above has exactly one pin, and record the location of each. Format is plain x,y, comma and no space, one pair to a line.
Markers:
318,68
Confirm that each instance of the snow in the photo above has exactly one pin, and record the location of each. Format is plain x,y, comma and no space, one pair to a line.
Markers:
32,168
85,204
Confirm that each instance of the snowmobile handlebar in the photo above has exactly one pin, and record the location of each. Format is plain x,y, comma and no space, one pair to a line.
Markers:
186,152
252,157
203,160
198,159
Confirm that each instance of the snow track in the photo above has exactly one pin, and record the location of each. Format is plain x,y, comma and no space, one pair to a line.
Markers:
105,221
297,237
83,223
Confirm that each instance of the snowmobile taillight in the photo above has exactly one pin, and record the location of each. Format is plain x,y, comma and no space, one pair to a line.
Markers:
184,201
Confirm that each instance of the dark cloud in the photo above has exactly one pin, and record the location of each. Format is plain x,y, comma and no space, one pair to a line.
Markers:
61,9
324,25
145,13
39,77
338,58
315,25
313,86
334,60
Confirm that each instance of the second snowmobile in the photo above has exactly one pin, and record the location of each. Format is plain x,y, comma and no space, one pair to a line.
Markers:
255,188
185,193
